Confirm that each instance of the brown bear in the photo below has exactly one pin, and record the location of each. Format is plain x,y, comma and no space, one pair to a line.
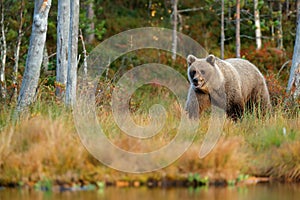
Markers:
232,84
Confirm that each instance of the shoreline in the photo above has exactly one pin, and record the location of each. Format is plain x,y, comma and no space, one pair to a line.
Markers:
166,183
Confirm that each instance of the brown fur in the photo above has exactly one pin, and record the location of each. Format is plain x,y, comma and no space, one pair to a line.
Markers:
233,83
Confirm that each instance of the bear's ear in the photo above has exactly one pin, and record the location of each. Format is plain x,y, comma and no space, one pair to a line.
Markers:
191,59
211,59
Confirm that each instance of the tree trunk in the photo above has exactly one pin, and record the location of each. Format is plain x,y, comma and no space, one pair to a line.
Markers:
272,17
3,55
17,54
90,15
237,31
298,8
35,54
280,32
257,25
72,54
45,62
150,7
229,15
296,83
287,8
222,31
63,29
174,35
294,79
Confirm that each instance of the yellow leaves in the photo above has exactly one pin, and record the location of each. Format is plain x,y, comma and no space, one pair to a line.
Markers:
153,12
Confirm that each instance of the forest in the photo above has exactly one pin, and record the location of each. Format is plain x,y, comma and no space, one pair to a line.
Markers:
44,43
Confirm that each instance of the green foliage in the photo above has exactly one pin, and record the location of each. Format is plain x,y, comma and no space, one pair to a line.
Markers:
100,184
99,29
197,179
260,4
242,177
231,182
44,185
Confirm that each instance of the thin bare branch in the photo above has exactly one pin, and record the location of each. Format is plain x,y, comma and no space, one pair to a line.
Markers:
190,10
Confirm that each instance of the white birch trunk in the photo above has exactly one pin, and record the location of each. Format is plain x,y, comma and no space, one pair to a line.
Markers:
296,83
280,31
257,25
17,54
294,79
174,35
45,62
237,30
63,29
298,8
72,54
3,55
272,24
35,54
222,31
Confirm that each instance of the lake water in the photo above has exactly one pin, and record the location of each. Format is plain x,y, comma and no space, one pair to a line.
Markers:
255,192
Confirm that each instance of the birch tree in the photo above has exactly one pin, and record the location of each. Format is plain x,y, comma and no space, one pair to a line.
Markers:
35,54
257,25
45,62
294,79
63,28
3,55
222,30
237,30
90,15
279,31
174,22
72,53
298,8
17,53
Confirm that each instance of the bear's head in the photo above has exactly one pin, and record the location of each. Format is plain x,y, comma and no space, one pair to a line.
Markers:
203,74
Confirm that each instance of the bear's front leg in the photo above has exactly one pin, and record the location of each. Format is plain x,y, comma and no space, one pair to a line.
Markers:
191,104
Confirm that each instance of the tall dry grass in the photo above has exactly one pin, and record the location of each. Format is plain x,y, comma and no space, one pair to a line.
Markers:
46,144
42,147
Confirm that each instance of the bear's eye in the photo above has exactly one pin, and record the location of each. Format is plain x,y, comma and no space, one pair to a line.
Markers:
202,72
192,73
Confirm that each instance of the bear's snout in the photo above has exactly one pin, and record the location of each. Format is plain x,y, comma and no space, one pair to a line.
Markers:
198,81
195,81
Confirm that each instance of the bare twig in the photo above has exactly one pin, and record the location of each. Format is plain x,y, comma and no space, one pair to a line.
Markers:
51,55
282,67
190,10
84,53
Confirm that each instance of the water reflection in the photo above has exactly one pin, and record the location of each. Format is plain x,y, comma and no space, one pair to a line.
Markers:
262,191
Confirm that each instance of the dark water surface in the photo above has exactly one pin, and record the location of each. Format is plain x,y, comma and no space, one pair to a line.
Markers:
255,192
